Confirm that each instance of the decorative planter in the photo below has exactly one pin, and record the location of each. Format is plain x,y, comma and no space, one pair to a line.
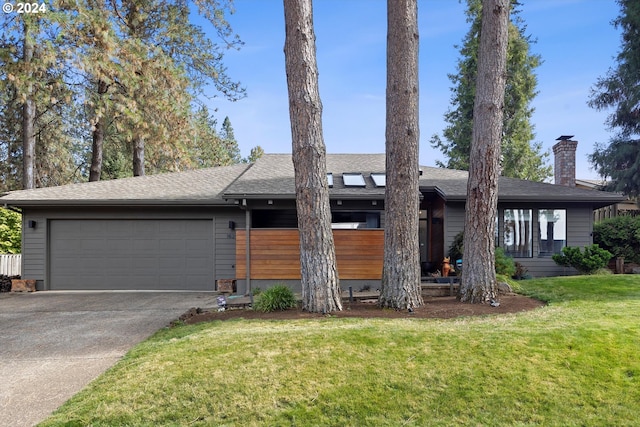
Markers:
23,285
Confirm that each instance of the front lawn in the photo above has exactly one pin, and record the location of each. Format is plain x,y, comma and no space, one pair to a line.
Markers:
573,362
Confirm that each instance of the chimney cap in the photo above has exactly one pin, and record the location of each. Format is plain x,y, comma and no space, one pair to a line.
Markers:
564,137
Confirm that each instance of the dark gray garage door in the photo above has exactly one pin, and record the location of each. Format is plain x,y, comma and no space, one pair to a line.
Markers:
131,254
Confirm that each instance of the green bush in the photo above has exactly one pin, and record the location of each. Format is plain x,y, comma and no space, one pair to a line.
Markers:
504,263
620,236
590,261
10,231
276,298
456,249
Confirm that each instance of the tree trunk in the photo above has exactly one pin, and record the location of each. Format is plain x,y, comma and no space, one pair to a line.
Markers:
98,138
138,156
28,117
401,271
478,283
320,285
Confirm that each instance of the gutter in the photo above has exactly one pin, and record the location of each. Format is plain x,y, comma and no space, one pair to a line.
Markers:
120,202
11,208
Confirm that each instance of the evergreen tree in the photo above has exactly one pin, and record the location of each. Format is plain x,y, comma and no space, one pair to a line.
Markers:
255,154
620,90
89,78
229,141
10,142
210,148
400,288
521,158
478,282
35,115
318,268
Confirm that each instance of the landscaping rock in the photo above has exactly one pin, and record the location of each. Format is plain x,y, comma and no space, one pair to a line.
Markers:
635,270
504,288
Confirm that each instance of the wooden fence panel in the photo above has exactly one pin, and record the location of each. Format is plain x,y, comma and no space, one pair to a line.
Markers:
10,264
275,253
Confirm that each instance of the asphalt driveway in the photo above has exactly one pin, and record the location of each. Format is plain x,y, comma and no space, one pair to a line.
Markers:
52,344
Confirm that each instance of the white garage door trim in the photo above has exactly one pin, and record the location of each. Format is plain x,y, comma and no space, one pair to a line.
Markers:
139,254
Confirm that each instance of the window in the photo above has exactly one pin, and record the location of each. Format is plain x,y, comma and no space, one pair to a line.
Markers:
552,231
518,241
353,220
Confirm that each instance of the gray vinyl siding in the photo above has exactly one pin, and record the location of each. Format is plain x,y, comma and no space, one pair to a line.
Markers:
225,244
34,248
453,224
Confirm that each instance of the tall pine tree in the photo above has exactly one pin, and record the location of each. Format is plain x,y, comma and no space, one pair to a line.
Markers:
521,157
478,282
620,90
318,269
401,272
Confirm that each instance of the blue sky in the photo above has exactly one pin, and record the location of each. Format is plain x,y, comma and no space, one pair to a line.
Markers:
574,37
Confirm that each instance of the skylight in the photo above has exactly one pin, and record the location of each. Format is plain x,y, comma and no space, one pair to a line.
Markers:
379,179
353,180
330,179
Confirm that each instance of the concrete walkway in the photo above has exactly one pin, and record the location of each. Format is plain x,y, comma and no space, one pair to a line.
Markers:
52,344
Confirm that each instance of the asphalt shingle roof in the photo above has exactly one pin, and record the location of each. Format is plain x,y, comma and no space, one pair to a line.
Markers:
452,185
273,176
201,186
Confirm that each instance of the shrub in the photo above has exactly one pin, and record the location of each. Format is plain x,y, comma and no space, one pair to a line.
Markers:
588,262
504,263
276,298
521,272
620,236
456,249
10,231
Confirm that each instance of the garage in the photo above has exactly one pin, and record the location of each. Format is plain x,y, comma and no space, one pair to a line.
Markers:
137,254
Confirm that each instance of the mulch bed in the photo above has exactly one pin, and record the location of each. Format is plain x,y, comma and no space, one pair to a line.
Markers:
434,308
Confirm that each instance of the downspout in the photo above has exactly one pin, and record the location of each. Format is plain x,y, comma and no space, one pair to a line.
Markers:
247,242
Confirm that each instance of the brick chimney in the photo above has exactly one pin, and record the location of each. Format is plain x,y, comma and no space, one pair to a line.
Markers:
565,161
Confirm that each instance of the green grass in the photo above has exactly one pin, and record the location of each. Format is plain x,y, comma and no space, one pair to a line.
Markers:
575,362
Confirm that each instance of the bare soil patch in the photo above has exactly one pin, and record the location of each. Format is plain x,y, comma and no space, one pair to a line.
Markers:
434,308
